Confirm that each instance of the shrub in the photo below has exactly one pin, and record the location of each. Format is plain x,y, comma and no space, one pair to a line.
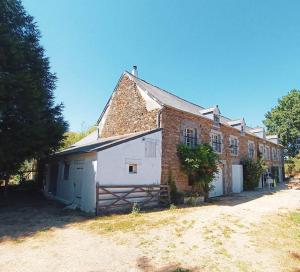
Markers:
135,208
252,169
200,163
176,197
173,207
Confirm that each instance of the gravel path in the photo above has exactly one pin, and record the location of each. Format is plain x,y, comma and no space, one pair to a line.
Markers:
214,237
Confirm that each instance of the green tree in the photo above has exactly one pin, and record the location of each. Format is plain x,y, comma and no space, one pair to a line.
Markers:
31,124
252,171
200,163
284,120
72,137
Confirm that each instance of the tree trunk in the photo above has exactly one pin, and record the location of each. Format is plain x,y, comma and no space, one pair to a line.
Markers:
205,196
40,174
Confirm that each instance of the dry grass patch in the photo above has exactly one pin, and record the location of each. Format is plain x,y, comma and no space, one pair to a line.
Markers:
132,222
280,235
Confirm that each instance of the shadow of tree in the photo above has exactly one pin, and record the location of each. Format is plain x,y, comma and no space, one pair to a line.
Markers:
144,264
25,213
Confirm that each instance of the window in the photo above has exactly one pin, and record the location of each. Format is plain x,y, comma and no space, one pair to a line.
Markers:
274,154
190,137
242,129
132,168
216,119
251,149
150,148
216,142
262,150
66,170
267,153
233,141
278,155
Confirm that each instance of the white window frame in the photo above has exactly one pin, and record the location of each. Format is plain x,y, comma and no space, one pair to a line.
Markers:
134,168
190,136
278,154
261,149
267,152
234,151
252,154
242,129
213,135
274,154
216,119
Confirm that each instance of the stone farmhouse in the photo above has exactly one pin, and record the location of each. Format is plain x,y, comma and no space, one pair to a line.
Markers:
136,143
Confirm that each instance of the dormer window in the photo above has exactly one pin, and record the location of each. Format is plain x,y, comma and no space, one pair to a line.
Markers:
216,119
242,129
190,137
213,114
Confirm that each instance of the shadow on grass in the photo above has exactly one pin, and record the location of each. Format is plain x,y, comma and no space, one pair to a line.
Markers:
24,213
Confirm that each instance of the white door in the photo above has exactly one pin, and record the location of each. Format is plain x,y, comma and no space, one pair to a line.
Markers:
237,178
218,184
79,167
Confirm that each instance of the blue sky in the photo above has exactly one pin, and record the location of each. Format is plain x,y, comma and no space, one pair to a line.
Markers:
241,55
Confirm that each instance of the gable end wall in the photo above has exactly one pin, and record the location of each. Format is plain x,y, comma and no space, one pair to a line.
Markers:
127,112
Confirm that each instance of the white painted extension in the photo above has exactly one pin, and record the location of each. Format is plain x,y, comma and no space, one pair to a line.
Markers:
132,160
237,178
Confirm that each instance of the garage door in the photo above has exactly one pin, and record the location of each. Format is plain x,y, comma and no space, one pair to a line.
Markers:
218,185
237,178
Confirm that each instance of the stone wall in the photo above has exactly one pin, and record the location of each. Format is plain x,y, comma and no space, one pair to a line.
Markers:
127,112
173,122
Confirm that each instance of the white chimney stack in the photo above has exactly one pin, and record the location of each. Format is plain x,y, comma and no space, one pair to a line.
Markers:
134,71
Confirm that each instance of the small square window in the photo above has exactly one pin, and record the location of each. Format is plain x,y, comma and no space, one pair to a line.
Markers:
132,168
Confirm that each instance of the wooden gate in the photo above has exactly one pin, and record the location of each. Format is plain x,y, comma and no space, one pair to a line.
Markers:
123,196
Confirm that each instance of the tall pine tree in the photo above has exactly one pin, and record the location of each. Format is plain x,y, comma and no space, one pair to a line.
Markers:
31,124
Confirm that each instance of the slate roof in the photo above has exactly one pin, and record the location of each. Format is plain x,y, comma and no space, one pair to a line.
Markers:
166,98
86,145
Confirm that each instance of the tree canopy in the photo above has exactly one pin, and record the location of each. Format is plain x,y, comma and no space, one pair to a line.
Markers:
284,120
72,137
31,124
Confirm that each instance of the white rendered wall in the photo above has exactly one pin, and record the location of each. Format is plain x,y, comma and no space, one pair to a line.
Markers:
65,190
113,163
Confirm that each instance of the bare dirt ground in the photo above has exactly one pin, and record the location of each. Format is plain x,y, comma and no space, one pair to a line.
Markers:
253,231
